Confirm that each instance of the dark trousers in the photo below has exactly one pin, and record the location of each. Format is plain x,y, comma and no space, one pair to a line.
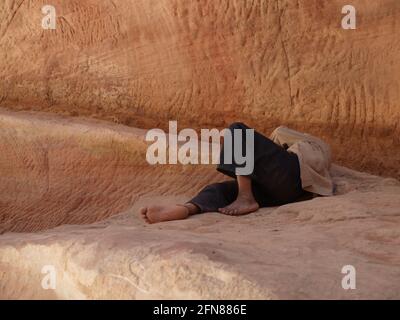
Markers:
275,178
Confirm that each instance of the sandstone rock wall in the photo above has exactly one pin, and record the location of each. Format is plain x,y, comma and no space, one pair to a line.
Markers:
207,63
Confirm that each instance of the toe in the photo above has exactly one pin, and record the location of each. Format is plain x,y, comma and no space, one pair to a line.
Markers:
143,213
224,211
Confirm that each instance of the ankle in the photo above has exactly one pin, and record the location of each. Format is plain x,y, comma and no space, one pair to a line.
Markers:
183,206
246,196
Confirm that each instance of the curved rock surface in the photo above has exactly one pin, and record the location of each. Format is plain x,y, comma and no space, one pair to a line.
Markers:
208,63
71,188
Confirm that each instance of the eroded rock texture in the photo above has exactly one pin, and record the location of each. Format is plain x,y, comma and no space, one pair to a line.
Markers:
207,63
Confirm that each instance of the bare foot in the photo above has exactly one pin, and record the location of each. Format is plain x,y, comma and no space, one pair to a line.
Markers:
154,214
241,206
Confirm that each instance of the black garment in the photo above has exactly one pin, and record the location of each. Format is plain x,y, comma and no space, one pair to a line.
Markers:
275,178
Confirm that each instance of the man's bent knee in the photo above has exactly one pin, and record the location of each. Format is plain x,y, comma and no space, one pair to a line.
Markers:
238,125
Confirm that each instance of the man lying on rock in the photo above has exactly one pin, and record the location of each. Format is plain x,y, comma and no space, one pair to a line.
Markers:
289,166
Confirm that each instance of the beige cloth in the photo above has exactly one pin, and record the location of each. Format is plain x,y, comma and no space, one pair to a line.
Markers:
314,157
